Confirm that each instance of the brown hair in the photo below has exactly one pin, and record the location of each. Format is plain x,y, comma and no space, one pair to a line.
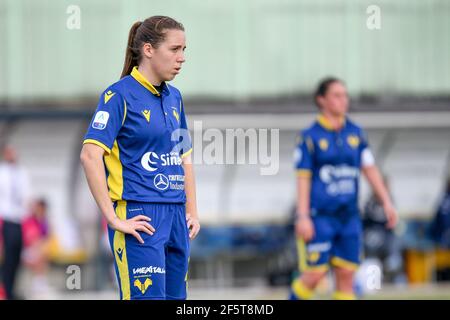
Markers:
152,30
323,86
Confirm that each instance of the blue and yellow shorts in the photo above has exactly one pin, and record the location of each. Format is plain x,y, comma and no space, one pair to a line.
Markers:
156,269
336,241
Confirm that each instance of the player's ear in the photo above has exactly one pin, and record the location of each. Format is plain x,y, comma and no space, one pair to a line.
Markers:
319,101
148,50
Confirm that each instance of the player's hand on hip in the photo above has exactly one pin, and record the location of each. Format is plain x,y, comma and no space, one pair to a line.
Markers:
193,226
391,216
304,228
133,225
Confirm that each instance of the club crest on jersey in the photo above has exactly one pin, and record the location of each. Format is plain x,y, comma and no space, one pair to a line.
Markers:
353,141
146,114
313,257
143,286
323,144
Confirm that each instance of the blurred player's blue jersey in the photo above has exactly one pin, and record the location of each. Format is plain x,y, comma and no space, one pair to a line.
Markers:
137,126
333,160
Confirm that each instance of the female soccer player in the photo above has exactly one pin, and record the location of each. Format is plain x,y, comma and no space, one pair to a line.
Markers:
136,157
329,158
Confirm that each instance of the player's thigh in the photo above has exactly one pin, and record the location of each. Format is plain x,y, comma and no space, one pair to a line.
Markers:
314,255
140,268
347,249
177,255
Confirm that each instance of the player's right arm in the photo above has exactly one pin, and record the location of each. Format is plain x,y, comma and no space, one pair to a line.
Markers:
304,227
103,131
92,160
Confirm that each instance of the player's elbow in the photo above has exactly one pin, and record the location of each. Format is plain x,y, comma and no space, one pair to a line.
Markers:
87,156
84,157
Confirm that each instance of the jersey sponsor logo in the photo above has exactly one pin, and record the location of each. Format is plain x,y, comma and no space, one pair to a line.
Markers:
108,95
323,144
100,120
353,141
339,179
143,286
161,182
148,270
176,182
147,162
319,247
146,114
150,161
172,181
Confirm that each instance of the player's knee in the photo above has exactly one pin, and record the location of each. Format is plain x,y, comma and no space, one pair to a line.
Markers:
344,273
312,279
344,278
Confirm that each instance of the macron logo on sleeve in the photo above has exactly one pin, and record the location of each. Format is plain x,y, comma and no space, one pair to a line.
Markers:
100,120
108,95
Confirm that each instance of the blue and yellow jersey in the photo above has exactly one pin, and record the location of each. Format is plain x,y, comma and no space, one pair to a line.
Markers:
145,136
333,160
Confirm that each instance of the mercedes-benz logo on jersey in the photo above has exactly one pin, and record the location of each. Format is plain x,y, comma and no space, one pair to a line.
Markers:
161,181
147,162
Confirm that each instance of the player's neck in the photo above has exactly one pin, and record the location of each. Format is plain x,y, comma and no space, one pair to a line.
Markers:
146,71
336,121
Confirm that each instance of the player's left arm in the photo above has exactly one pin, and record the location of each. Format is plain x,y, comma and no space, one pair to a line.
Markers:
191,197
373,176
192,219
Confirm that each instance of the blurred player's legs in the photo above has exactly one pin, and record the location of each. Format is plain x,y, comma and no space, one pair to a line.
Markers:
12,242
303,287
337,242
344,283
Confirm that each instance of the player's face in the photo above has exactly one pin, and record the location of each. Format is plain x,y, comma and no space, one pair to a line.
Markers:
9,154
335,100
167,59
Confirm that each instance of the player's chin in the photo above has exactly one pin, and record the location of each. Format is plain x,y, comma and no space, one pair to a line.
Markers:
171,76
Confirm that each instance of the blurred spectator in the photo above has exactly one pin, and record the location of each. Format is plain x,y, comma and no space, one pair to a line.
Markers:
380,242
14,206
440,226
440,234
35,255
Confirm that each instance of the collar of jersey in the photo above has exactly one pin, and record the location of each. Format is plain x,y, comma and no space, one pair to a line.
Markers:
145,83
325,123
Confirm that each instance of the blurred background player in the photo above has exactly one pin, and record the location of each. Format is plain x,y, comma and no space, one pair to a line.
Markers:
35,254
15,195
380,242
329,158
139,132
439,232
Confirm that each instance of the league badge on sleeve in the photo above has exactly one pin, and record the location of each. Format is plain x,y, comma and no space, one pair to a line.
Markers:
100,120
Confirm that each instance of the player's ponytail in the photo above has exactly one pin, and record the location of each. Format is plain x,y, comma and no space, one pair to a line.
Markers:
151,30
131,53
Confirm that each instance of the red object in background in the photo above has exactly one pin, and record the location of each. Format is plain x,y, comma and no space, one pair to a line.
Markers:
2,290
2,293
31,231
